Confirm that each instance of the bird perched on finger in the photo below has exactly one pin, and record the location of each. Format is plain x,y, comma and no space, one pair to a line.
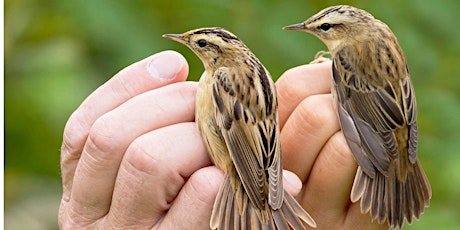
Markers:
236,112
375,100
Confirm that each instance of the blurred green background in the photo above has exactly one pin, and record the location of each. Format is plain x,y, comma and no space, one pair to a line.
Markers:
58,52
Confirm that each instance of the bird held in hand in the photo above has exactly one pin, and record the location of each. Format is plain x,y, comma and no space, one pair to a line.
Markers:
236,112
375,100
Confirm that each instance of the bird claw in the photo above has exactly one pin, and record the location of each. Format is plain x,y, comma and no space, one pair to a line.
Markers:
319,57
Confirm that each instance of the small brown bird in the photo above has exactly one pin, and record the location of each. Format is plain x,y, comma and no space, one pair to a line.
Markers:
236,112
375,100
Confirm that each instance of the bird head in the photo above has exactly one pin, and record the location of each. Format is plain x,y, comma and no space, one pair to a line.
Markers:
212,45
336,25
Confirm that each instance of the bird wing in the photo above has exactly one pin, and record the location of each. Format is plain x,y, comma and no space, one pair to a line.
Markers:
369,114
250,132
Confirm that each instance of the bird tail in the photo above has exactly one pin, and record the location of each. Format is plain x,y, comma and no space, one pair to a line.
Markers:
393,198
233,210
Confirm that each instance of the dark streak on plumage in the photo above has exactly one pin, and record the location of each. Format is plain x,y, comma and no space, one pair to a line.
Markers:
238,88
219,32
216,47
237,110
389,90
389,55
270,160
272,142
379,61
346,65
335,74
251,80
329,11
265,82
246,117
382,33
352,80
247,102
227,121
218,100
388,69
222,109
264,138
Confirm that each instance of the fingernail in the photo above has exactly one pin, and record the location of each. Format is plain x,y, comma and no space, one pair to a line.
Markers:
292,179
165,65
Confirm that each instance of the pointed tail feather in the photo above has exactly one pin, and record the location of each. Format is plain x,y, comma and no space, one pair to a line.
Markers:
233,210
391,199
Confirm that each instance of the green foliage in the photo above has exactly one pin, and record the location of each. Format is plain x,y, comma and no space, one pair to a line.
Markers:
58,52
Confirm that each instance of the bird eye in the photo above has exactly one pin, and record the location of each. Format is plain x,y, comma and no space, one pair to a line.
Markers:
202,43
325,26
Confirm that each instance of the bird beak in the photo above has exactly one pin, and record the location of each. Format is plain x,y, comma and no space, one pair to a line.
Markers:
298,26
175,37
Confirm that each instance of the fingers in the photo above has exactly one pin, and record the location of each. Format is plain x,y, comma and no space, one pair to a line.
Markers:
316,150
298,83
193,206
331,179
151,73
111,135
329,186
307,130
154,169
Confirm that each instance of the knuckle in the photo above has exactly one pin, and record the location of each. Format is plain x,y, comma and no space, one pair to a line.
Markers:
188,93
73,141
104,145
284,91
204,185
341,153
73,138
102,137
145,157
124,89
315,113
148,161
70,218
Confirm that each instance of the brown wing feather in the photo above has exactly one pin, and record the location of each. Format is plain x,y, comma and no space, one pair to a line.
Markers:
249,139
369,114
249,129
378,120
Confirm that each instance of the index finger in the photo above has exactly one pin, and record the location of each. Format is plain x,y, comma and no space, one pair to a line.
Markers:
153,72
300,82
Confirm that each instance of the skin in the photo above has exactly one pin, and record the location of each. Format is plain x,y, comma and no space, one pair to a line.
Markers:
156,172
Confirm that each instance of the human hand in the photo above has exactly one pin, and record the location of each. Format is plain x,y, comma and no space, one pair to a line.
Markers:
126,164
315,149
132,157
